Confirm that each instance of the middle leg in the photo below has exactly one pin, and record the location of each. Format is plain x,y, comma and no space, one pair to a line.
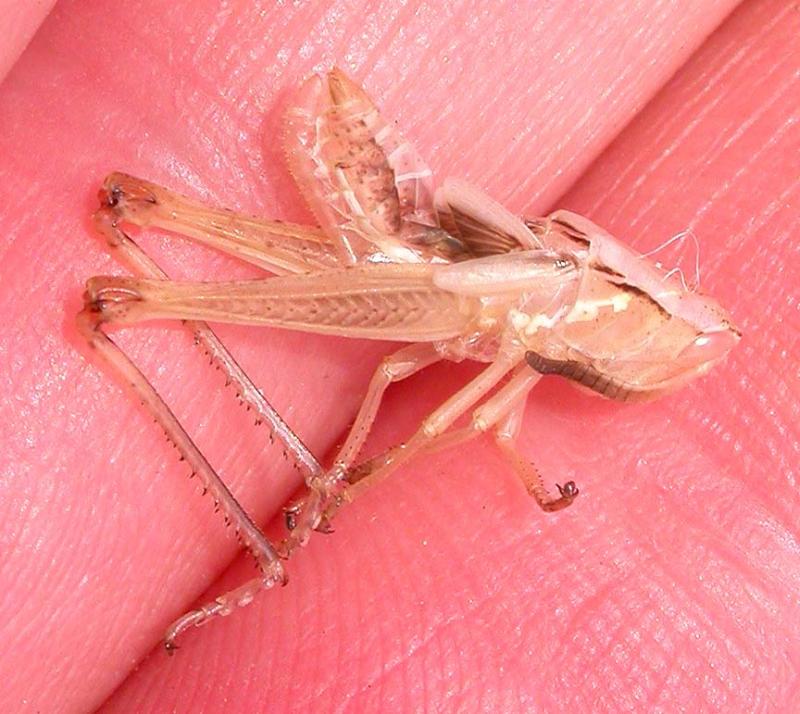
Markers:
502,413
307,514
434,431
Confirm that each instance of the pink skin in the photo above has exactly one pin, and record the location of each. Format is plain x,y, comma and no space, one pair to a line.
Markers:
20,22
670,583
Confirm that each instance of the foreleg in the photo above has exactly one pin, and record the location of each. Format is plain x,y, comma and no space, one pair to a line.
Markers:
506,439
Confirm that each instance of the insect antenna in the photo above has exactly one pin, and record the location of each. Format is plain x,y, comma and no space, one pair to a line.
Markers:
677,255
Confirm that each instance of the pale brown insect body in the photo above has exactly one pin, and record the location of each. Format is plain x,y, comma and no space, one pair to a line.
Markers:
451,272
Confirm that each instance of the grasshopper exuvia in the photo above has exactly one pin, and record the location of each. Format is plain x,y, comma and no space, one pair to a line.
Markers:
449,271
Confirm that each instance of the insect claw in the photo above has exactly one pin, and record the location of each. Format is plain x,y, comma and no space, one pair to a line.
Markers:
568,492
324,526
290,515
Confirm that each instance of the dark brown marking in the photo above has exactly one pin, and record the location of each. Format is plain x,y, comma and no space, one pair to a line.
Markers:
572,231
638,292
602,268
580,372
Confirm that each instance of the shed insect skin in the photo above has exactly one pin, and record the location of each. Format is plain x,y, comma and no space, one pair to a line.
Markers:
449,271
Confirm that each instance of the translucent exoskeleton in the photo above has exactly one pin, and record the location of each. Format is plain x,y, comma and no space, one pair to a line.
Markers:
447,270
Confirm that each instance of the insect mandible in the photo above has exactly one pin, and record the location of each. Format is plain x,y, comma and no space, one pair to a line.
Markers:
447,270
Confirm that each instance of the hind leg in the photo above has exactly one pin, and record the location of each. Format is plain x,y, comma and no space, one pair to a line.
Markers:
275,246
265,554
143,265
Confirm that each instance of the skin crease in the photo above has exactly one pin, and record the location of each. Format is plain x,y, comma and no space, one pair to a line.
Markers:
670,584
18,23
